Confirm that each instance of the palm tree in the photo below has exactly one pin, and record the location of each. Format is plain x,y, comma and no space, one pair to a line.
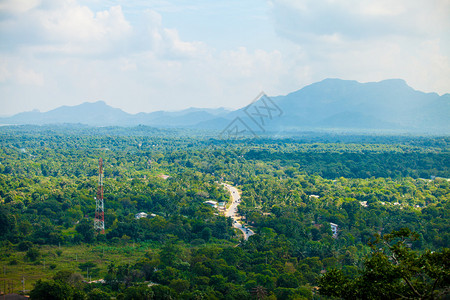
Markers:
259,291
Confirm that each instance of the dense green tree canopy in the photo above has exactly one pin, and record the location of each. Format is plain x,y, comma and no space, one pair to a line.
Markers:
292,189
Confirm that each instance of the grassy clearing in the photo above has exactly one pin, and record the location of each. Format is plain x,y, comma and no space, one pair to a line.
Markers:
14,265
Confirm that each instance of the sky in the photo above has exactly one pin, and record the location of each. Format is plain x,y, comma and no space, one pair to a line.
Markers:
144,55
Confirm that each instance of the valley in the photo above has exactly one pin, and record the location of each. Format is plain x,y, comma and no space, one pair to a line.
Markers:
289,193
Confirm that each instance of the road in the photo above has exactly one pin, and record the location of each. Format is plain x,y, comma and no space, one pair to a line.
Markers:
232,212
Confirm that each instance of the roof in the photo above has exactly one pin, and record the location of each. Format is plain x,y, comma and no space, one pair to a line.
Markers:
141,215
211,202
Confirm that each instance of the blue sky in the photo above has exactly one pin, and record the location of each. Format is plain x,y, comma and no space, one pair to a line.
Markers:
167,55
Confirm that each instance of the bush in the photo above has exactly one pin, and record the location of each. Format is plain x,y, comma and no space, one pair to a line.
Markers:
136,293
24,246
33,254
49,289
197,242
287,280
98,294
179,285
305,292
163,292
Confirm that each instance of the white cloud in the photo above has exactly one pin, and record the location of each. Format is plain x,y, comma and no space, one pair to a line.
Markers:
175,47
166,42
78,24
360,19
16,71
69,51
17,6
4,72
65,27
370,40
29,77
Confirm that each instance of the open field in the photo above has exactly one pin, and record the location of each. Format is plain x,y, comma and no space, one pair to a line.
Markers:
54,259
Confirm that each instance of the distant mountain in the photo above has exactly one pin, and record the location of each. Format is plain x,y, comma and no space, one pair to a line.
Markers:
335,104
98,113
184,118
331,104
101,114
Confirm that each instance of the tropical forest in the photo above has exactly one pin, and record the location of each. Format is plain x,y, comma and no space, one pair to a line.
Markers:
331,215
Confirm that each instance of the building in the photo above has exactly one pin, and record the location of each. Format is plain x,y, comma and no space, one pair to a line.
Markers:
211,203
334,229
143,215
140,215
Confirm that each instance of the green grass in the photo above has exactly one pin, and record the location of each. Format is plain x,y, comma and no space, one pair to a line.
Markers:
14,265
71,256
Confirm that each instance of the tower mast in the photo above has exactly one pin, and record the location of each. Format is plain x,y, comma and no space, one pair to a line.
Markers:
99,220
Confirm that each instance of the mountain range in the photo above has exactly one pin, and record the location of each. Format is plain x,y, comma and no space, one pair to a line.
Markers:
331,104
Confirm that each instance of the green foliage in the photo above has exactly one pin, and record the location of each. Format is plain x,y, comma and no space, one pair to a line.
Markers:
98,294
7,222
291,190
287,280
24,246
393,270
136,293
86,230
32,254
51,290
163,292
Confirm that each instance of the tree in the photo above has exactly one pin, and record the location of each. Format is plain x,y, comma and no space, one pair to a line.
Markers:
335,284
393,271
24,246
7,222
287,280
51,290
98,294
86,230
163,292
66,276
206,234
136,293
259,292
33,254
170,253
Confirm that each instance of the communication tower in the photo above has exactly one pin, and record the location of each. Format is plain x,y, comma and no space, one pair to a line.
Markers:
99,220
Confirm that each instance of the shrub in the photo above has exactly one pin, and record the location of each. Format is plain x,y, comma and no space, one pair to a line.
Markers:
33,254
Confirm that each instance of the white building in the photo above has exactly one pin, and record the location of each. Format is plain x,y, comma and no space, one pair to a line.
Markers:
140,215
334,229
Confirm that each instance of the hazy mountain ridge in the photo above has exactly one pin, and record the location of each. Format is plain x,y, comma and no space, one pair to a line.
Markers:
100,114
342,104
329,104
379,105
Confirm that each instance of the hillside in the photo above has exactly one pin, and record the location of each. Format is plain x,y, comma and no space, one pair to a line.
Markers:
332,104
389,104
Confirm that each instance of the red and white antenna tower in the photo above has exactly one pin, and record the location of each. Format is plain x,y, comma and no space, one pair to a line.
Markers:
99,221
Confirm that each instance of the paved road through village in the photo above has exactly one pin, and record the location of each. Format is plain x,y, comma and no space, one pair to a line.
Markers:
232,212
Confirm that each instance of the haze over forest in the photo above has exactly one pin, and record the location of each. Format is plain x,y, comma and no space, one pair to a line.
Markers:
332,104
147,56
